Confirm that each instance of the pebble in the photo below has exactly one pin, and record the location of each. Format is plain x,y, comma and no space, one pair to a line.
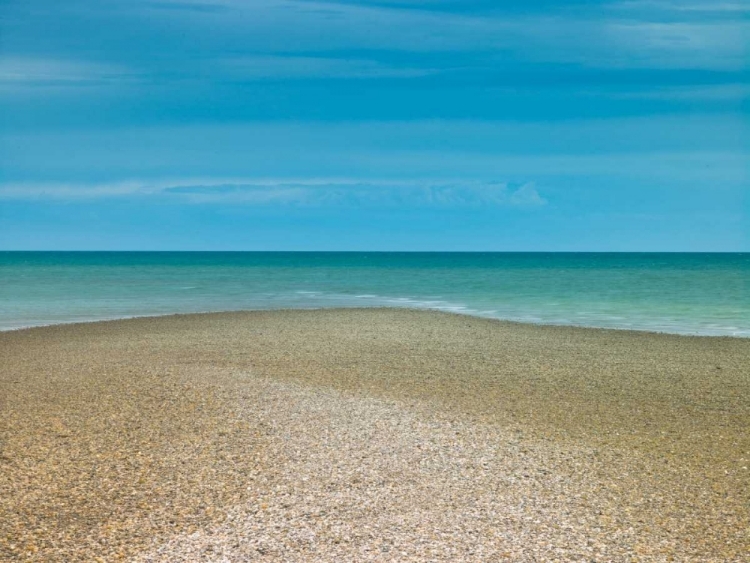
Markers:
370,435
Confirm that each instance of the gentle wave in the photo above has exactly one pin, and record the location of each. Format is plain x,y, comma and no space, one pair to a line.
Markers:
616,323
685,294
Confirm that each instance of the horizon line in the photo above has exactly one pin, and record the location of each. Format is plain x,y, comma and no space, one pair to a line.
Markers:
384,251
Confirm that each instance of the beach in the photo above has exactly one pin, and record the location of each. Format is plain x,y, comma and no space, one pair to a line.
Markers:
371,435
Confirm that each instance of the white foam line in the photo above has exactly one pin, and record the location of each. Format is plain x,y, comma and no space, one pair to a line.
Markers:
655,326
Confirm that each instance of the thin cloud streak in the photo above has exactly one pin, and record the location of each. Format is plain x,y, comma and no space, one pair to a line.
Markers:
258,67
722,92
317,193
682,6
600,37
38,71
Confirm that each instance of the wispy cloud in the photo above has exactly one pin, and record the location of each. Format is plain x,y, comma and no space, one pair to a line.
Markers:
220,41
721,92
255,67
682,6
526,195
318,193
705,45
38,72
200,6
626,35
57,191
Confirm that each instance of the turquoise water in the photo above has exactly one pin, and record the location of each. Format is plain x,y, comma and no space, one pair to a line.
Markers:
680,293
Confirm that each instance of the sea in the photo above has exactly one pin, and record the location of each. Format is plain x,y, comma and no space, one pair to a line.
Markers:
683,293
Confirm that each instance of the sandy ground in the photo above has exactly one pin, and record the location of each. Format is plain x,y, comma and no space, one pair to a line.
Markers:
371,435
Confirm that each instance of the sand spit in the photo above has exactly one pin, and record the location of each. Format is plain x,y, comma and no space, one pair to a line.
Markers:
371,435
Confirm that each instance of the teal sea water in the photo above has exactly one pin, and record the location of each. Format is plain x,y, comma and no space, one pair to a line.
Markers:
680,293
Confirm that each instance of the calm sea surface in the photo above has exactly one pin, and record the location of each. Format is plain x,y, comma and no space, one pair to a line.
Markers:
681,293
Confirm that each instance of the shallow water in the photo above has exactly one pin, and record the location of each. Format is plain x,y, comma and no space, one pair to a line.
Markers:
680,293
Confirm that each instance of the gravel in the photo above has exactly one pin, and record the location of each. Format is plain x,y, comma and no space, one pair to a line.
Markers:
373,435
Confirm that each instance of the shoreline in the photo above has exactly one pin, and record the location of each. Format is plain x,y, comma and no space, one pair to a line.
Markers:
374,308
285,435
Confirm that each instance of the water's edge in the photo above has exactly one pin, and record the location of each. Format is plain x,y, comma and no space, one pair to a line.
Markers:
694,294
374,308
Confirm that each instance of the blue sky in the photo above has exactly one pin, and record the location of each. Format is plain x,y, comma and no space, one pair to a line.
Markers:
376,125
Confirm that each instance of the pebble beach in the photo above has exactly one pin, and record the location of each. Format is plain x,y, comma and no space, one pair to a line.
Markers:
371,435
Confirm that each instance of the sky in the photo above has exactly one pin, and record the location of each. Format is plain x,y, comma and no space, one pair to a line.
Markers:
481,125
